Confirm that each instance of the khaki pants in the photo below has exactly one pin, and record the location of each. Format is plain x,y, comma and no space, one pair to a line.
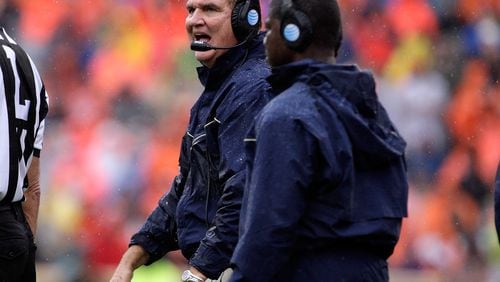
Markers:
224,277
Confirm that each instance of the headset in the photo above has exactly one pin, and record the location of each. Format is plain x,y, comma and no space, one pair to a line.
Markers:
296,27
245,21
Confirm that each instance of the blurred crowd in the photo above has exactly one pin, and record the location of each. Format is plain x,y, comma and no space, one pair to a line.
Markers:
121,80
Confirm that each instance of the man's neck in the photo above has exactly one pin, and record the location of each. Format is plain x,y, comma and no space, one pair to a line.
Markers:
325,56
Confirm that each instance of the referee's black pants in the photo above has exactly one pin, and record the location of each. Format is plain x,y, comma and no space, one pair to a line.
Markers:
17,247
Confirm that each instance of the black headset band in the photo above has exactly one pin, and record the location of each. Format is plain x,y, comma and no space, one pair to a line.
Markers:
285,5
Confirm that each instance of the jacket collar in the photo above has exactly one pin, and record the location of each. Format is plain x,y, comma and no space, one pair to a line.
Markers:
284,76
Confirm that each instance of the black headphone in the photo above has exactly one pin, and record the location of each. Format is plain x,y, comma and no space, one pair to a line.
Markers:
246,19
296,27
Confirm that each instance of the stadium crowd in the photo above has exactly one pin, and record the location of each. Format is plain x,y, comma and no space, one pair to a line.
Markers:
120,79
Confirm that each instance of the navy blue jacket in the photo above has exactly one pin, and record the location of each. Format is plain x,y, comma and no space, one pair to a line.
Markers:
326,172
204,201
497,202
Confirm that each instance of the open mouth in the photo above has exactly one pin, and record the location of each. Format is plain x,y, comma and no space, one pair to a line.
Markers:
202,37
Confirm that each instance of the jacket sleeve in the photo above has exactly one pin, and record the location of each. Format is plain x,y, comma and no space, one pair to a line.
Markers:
275,198
158,234
216,248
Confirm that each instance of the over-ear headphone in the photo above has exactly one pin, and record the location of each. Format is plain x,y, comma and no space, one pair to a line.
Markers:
246,19
296,27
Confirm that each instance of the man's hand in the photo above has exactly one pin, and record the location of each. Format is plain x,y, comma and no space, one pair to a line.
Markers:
122,274
134,257
32,195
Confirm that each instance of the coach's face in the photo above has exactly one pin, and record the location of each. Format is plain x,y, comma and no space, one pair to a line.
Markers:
210,21
277,53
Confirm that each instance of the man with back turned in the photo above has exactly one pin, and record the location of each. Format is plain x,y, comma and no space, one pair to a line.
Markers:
326,187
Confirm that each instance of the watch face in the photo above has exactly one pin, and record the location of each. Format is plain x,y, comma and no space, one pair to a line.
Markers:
185,275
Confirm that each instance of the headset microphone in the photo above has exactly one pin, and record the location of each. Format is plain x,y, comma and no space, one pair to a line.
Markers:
201,46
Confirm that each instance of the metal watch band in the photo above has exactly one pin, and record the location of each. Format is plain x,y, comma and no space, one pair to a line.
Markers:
188,276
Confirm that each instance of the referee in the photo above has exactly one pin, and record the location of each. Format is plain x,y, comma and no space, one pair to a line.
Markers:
23,107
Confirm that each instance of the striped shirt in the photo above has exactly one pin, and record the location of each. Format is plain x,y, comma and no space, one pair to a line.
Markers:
23,107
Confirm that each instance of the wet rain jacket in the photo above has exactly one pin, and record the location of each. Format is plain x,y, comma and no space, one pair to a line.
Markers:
327,186
204,201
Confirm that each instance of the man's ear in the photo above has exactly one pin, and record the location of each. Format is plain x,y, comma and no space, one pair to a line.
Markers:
246,19
296,27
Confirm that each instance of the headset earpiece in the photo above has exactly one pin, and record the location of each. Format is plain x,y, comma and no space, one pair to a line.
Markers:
296,28
246,19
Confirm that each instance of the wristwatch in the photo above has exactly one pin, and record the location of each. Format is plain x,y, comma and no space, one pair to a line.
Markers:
188,276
